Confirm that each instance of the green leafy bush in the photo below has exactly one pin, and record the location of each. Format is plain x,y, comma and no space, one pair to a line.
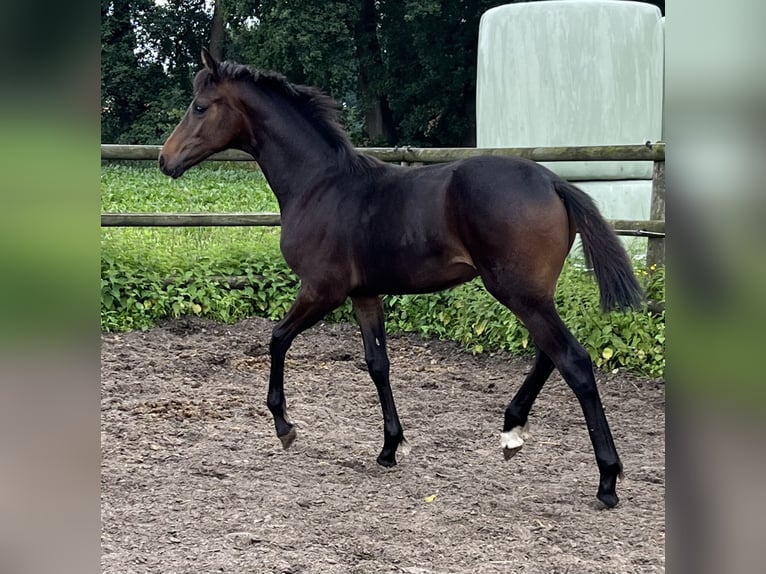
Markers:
134,296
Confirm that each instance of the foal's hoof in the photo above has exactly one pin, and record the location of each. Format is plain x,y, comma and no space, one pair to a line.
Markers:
387,457
607,488
609,499
513,440
392,444
386,460
509,452
289,438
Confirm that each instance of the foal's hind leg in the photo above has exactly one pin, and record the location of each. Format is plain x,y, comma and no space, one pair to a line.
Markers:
574,364
517,411
555,341
369,315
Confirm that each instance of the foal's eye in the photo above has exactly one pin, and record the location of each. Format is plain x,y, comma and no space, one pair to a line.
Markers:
199,109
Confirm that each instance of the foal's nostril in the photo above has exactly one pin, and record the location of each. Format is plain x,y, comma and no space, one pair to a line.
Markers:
162,161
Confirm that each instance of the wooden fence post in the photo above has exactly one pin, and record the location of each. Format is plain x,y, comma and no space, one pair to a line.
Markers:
655,246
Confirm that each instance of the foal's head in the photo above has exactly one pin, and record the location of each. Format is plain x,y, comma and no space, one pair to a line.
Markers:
214,121
240,107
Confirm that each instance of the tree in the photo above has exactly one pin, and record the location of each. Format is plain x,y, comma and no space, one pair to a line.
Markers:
173,36
405,69
431,49
373,87
402,71
309,42
122,79
149,54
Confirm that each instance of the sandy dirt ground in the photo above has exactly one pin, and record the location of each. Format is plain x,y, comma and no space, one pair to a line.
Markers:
194,479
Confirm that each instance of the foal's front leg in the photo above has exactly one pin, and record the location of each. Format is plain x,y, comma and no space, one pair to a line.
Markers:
308,308
369,315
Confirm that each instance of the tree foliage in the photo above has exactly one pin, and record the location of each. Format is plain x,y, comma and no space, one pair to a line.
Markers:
431,49
149,53
309,42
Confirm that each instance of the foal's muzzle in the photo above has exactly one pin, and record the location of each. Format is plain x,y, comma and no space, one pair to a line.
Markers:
168,169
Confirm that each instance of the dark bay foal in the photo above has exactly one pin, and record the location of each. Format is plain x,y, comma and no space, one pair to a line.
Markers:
355,227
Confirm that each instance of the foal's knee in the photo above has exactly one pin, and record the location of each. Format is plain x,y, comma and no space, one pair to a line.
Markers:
378,366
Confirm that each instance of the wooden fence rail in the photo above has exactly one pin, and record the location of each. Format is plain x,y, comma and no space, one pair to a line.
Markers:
190,219
645,152
653,229
636,228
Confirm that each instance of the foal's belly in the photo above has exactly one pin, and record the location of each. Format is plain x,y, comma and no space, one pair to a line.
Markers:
399,277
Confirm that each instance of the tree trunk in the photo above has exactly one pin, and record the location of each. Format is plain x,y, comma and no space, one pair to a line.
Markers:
378,116
379,120
217,31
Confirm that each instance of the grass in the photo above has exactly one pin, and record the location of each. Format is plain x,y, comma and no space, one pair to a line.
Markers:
141,187
207,188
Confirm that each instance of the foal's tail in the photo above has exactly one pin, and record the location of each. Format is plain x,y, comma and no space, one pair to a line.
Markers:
614,273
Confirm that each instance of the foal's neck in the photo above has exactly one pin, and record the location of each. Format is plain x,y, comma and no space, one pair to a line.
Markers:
291,150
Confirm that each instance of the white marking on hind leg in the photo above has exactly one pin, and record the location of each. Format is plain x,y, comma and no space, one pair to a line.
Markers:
514,438
404,448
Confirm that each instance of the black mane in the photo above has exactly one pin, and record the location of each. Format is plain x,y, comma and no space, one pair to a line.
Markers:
319,108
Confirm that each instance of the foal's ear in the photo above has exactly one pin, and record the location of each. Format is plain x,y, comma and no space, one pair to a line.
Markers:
210,63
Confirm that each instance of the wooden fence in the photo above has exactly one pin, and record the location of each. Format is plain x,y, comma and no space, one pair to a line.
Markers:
653,229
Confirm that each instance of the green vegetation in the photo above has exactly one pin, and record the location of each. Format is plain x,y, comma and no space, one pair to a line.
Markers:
149,274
